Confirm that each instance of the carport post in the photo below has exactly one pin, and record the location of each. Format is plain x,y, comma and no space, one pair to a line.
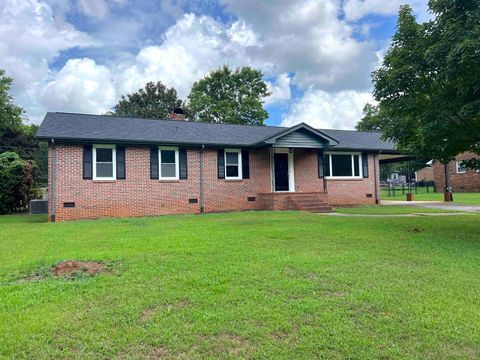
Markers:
447,195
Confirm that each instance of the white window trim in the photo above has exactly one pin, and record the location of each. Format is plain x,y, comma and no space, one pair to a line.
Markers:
114,161
177,163
360,164
457,165
239,154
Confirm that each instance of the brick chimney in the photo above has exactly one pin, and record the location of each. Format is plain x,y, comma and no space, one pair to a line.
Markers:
177,114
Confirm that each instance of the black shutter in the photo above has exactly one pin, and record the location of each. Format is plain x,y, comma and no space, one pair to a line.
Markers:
326,159
154,162
320,163
87,162
365,165
120,162
221,163
245,164
183,163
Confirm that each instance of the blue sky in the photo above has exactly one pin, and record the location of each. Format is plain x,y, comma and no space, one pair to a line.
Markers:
81,56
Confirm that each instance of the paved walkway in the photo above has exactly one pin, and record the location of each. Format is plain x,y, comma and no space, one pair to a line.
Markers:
397,215
436,205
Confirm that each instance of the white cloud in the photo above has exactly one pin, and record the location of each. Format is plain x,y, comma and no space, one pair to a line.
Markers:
98,8
280,90
30,37
320,109
242,34
80,86
190,49
357,9
303,43
306,37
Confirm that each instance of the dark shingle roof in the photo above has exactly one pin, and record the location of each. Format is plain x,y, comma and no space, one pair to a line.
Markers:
90,128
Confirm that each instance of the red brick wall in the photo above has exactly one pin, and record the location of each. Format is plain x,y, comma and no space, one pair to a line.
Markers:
354,191
466,182
340,191
138,195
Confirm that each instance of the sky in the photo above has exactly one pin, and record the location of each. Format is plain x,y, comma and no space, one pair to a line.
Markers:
82,55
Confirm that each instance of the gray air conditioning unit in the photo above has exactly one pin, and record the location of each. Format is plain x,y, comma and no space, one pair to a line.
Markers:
38,206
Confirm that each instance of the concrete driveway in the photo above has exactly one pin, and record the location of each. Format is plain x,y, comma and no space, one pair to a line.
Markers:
436,205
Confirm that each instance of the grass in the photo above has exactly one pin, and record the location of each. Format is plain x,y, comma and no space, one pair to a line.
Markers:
460,198
388,210
252,285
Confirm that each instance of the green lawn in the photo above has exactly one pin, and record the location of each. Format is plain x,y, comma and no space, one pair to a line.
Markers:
287,285
460,198
389,210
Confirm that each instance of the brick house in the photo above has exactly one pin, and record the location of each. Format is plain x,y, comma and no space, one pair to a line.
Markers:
103,166
460,178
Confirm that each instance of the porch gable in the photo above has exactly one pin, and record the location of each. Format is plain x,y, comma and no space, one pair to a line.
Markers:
301,136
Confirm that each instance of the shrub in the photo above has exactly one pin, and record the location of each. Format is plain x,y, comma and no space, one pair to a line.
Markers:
17,179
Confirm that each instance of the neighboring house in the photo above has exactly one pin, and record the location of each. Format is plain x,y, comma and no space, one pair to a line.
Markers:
102,166
460,178
396,178
424,174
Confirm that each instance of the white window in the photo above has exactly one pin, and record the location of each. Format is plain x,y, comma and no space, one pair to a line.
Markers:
233,164
169,164
461,169
104,162
343,165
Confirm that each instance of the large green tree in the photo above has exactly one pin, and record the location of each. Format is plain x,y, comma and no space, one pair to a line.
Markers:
229,96
154,101
428,87
371,120
14,134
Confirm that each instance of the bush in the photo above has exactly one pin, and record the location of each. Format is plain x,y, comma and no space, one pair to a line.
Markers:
17,179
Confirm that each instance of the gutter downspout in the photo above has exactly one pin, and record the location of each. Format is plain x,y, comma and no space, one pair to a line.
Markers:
325,188
53,168
375,176
202,205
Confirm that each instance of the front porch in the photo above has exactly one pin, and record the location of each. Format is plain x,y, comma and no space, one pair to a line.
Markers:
305,201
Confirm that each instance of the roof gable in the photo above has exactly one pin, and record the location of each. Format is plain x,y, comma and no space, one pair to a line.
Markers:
301,136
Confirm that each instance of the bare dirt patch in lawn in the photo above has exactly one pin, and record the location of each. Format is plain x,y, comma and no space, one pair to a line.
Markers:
181,304
158,353
147,314
278,335
71,268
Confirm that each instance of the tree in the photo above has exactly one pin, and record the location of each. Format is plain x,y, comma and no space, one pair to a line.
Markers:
17,179
154,101
428,85
226,96
371,120
14,134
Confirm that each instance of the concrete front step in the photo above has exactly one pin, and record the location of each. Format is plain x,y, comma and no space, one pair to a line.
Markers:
317,209
311,203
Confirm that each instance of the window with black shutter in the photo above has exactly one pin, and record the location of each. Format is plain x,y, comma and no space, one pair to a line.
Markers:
104,162
169,163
